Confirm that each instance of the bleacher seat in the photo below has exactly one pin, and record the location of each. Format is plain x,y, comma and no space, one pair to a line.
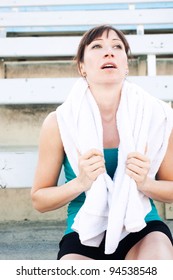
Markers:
38,39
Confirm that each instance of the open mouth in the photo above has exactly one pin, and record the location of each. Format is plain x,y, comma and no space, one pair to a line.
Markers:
109,66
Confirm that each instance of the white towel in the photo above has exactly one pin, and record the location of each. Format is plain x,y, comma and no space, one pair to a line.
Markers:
114,207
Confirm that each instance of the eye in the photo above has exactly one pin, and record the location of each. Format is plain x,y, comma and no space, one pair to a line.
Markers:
118,46
96,46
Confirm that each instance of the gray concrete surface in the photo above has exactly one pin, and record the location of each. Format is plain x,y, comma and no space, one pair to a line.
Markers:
29,240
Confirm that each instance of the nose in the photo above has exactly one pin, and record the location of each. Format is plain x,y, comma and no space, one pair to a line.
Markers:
109,52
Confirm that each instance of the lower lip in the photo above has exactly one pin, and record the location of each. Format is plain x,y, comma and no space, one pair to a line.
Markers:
109,69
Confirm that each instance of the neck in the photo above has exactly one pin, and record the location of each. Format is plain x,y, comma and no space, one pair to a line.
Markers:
107,98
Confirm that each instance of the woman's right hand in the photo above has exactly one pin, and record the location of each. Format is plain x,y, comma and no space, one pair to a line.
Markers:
91,164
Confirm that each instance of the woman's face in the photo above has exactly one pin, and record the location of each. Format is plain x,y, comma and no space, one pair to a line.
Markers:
105,60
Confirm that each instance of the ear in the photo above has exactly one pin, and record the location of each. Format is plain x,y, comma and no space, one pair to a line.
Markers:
126,71
82,70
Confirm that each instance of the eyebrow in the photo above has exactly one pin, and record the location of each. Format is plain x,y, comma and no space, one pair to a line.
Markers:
100,39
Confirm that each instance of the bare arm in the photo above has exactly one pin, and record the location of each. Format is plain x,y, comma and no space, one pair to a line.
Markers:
46,196
160,189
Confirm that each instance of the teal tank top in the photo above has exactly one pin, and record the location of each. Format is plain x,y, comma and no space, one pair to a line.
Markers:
111,159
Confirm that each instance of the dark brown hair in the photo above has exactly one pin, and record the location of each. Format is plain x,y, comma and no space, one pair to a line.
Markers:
94,33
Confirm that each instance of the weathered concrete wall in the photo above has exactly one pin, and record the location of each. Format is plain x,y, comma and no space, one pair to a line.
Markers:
2,74
16,205
20,126
40,69
45,69
164,66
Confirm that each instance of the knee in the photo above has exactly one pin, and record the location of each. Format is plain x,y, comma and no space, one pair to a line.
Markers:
154,246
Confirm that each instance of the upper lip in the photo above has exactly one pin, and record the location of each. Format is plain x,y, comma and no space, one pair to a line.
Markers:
107,64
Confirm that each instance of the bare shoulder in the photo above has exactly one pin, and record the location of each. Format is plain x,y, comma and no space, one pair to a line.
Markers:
51,154
165,170
51,148
50,122
50,130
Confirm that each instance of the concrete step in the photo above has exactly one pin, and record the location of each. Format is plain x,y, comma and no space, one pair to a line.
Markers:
29,240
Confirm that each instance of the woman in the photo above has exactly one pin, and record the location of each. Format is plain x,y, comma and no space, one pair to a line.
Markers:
102,60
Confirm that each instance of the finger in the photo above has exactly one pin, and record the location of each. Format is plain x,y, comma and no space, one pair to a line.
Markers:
137,162
92,163
138,178
96,166
138,156
93,176
91,153
96,159
137,170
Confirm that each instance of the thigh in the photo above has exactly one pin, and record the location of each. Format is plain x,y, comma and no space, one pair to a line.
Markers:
70,247
131,241
154,246
74,257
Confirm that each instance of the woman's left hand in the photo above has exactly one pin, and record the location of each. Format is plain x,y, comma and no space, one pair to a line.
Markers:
137,167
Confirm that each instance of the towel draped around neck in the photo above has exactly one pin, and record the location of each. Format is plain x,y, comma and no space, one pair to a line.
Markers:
114,208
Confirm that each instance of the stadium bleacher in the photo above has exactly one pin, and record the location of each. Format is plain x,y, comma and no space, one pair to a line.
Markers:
38,40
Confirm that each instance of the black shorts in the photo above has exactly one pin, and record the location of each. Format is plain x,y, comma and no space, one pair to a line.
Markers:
70,243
